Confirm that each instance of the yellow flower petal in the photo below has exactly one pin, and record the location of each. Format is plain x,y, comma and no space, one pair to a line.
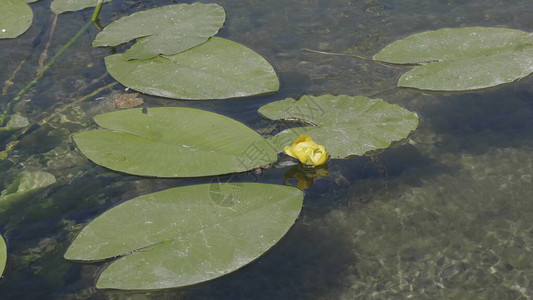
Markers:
302,138
307,151
320,157
303,157
288,150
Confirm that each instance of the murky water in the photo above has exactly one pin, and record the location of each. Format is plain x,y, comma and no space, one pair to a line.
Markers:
446,216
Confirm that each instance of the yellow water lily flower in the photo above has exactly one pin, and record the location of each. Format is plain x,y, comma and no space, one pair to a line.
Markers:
307,151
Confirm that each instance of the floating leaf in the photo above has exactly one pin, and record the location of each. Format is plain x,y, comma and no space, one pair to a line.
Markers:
345,125
61,6
458,59
182,236
24,185
174,142
3,255
216,69
163,30
15,18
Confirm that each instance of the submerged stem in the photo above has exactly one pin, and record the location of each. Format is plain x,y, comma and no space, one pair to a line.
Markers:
40,73
339,54
44,121
354,55
44,54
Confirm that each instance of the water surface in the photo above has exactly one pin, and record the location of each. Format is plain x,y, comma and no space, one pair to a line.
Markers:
447,215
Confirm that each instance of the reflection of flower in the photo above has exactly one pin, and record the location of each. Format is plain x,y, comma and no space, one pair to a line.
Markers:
307,151
306,176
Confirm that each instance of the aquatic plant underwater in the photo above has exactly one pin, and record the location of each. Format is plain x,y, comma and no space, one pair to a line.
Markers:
185,235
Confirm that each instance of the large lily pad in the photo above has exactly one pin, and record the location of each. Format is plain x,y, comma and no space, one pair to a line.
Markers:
173,142
61,6
15,18
216,69
458,59
183,236
163,30
25,185
345,125
3,255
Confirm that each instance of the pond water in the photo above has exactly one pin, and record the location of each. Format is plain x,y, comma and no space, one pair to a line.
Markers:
447,215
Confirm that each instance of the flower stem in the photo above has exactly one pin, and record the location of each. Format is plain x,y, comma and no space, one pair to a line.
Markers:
97,10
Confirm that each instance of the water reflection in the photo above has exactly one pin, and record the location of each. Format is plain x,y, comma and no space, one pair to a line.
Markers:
305,175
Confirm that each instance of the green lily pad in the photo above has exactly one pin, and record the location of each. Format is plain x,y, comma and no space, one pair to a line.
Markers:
183,236
163,30
216,69
174,142
460,59
345,125
3,255
15,18
61,6
24,185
